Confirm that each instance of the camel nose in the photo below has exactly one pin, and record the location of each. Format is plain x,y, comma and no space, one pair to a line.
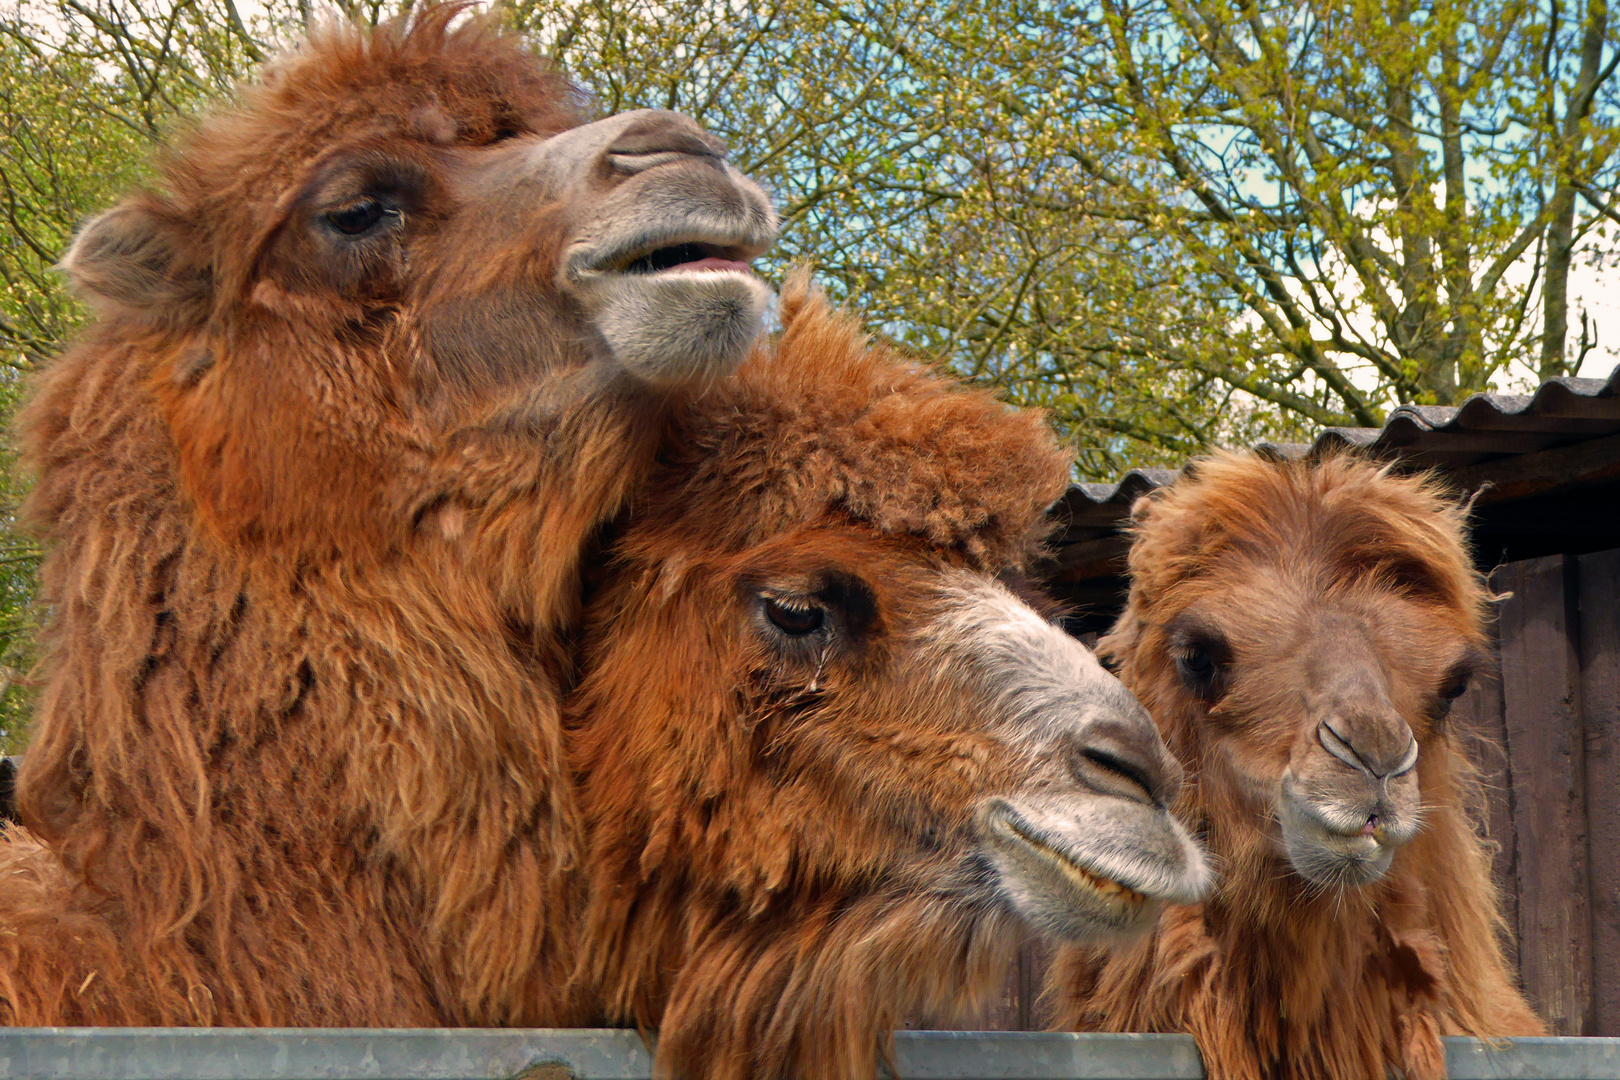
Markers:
1377,749
656,134
1358,721
1361,726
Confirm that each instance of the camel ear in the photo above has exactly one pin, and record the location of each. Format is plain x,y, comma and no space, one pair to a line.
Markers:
139,258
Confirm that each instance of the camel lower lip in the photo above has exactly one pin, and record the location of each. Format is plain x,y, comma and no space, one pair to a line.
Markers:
710,265
1107,887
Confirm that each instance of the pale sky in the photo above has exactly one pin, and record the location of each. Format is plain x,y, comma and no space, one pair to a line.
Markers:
1599,292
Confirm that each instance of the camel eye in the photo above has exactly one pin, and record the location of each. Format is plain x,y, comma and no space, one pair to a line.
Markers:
1196,664
1199,663
1457,681
1455,689
794,620
358,218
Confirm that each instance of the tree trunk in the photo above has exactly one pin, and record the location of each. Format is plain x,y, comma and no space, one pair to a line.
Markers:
1555,293
1561,229
1463,359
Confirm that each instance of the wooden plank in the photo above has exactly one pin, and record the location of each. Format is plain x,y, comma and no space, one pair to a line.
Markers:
1545,743
1033,964
1103,557
1481,723
1545,470
1600,708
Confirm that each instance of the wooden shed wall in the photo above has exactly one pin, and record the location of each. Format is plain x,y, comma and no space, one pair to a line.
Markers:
1550,723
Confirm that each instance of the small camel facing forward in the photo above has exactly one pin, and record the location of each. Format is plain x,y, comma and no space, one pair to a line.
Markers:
1299,632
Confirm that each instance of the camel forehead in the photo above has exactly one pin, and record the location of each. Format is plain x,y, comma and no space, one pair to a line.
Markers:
421,80
1329,528
1288,627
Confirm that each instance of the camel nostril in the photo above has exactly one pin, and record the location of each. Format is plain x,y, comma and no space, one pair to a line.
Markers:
1125,752
1372,756
666,133
1120,769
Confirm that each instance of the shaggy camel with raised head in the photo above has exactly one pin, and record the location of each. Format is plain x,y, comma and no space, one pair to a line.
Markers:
390,339
833,762
1299,632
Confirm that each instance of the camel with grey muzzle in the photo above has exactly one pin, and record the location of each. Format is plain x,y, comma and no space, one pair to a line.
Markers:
836,759
391,336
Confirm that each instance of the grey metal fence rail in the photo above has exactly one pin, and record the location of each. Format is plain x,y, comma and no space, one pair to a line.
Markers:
537,1054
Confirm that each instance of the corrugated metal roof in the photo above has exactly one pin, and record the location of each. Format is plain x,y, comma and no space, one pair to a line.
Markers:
1485,428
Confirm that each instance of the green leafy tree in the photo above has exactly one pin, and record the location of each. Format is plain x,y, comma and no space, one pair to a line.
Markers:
921,163
1392,191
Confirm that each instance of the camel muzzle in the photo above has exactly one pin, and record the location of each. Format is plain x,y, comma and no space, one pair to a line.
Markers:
1078,866
658,257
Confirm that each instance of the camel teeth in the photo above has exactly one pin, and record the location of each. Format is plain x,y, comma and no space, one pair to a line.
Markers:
1108,887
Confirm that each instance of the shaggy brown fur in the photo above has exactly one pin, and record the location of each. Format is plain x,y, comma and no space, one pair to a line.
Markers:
314,505
1236,570
785,835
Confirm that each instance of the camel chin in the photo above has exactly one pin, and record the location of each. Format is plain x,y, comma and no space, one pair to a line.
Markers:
1081,868
681,327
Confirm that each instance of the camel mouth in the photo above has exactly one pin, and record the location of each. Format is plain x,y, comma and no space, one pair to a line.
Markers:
1335,845
1085,867
662,273
655,252
688,257
1110,890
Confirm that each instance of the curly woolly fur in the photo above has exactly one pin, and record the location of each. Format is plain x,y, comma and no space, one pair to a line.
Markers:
317,595
297,758
768,847
1274,977
825,422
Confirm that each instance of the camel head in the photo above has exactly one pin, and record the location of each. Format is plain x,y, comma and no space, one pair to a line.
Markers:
1300,631
832,753
401,232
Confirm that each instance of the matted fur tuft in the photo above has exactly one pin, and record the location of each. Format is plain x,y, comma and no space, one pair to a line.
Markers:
825,421
1350,514
1276,979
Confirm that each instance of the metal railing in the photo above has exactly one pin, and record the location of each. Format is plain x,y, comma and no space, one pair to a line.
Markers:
542,1054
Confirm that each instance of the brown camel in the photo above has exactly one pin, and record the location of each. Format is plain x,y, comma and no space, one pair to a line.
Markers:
391,339
1299,632
832,761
